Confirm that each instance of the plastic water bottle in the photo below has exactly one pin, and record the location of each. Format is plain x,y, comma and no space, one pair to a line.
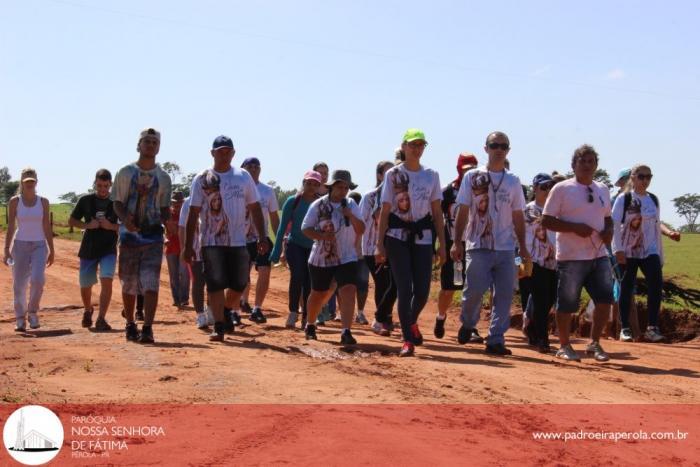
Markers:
458,279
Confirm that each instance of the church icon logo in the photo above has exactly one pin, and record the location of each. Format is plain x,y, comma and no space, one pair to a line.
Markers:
33,435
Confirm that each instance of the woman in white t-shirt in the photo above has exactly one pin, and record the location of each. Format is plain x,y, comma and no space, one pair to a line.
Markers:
637,245
334,223
409,219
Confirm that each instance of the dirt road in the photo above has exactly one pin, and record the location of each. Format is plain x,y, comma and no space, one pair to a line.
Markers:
63,362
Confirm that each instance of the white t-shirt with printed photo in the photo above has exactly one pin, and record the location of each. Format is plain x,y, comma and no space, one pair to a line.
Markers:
491,198
540,242
569,202
268,204
369,209
223,199
640,235
410,195
326,216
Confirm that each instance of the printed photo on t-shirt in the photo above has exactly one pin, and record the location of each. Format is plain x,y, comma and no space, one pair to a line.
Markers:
480,224
214,228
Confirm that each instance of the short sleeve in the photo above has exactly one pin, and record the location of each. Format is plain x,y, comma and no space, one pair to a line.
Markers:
464,195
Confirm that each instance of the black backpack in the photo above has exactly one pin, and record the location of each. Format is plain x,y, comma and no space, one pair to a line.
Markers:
628,201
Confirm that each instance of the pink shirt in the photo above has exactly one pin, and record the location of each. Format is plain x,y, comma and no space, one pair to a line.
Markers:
568,202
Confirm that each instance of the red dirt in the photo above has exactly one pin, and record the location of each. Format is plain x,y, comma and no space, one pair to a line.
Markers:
63,362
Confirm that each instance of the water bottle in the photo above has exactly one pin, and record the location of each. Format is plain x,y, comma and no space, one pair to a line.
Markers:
458,278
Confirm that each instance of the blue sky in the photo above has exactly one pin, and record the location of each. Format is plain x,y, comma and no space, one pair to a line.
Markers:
298,82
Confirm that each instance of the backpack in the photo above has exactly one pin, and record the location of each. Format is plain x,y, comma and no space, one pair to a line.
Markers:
628,200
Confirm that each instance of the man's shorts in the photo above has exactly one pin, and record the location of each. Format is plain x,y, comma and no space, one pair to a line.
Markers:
225,267
595,275
139,268
256,258
344,274
447,272
88,269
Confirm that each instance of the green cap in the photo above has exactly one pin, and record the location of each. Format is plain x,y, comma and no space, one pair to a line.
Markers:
413,134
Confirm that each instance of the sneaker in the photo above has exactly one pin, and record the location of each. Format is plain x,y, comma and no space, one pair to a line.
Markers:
210,316
218,334
439,330
347,339
626,335
132,332
87,319
21,325
202,321
476,338
599,354
310,332
566,352
146,335
139,315
292,320
102,325
257,316
360,318
653,334
497,349
464,335
417,336
407,350
34,321
246,308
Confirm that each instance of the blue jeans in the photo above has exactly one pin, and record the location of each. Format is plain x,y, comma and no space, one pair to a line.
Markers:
651,268
179,279
484,268
300,280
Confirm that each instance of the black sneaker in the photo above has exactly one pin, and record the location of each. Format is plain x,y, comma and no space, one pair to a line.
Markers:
439,330
132,332
347,339
476,338
146,335
139,315
218,334
464,335
310,332
257,316
87,319
497,349
246,308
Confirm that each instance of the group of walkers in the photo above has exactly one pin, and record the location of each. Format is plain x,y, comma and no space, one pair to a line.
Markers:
478,229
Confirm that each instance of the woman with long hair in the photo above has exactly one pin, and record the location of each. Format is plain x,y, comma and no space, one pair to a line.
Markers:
637,245
28,248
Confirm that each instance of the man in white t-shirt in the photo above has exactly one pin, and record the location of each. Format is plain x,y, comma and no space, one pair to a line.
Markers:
219,199
270,208
490,205
578,209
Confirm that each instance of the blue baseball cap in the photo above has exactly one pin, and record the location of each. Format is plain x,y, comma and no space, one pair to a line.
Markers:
222,142
250,160
541,179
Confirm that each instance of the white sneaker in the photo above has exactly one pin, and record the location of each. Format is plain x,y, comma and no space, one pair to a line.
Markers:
210,316
292,320
360,317
21,325
653,334
202,321
34,321
626,335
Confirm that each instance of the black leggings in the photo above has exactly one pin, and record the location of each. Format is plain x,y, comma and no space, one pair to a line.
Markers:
544,293
411,268
384,290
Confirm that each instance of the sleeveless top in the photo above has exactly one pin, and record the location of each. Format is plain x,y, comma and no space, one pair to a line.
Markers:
30,220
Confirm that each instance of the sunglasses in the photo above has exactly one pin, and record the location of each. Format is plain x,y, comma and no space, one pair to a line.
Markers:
590,194
643,176
504,146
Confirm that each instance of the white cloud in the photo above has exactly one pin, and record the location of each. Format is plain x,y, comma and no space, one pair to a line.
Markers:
616,74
